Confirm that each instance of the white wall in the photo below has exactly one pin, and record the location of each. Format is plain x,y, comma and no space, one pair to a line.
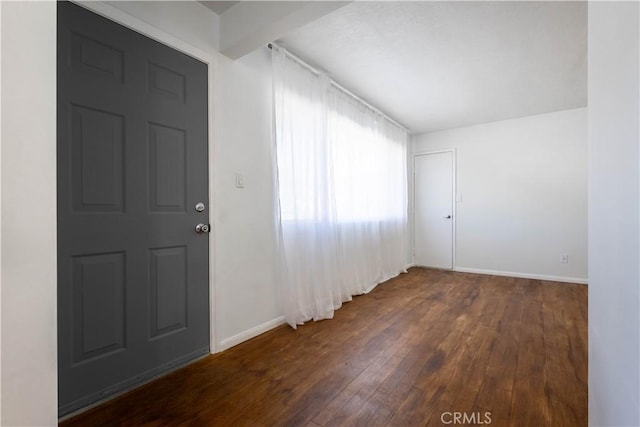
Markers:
245,243
522,185
29,353
0,214
614,214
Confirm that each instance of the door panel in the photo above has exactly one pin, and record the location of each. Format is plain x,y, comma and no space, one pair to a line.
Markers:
434,210
167,169
97,160
99,301
168,290
133,285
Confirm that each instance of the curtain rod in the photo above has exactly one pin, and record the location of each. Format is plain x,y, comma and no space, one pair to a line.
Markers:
345,90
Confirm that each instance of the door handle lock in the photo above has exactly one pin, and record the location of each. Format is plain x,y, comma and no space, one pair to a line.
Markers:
202,228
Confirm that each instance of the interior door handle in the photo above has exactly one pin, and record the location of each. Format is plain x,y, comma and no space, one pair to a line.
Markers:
447,217
202,228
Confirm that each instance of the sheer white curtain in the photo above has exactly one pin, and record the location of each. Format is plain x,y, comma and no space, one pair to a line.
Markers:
341,183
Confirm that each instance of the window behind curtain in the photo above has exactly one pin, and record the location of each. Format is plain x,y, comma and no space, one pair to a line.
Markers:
342,191
368,168
364,170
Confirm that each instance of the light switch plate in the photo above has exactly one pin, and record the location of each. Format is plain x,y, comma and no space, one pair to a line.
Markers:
239,180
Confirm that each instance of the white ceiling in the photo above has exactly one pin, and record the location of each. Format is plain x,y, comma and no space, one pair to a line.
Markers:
441,65
219,7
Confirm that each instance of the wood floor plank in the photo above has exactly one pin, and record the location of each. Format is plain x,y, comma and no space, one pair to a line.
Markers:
424,344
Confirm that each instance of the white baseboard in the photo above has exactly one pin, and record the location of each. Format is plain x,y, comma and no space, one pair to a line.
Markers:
408,266
250,333
565,279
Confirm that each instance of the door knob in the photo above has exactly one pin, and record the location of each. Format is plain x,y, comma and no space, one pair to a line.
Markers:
447,217
202,228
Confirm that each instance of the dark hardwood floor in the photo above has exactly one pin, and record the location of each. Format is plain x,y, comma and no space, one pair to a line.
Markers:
424,344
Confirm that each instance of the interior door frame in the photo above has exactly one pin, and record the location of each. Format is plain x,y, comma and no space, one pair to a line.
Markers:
453,201
173,42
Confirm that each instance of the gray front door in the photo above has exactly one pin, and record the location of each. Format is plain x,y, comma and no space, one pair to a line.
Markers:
133,282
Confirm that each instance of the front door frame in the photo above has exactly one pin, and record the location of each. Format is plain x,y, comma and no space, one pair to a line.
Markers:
453,201
173,42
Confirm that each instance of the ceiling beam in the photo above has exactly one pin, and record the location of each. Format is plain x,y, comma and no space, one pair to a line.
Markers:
252,24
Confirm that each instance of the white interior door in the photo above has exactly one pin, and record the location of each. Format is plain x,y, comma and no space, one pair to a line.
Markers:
433,186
